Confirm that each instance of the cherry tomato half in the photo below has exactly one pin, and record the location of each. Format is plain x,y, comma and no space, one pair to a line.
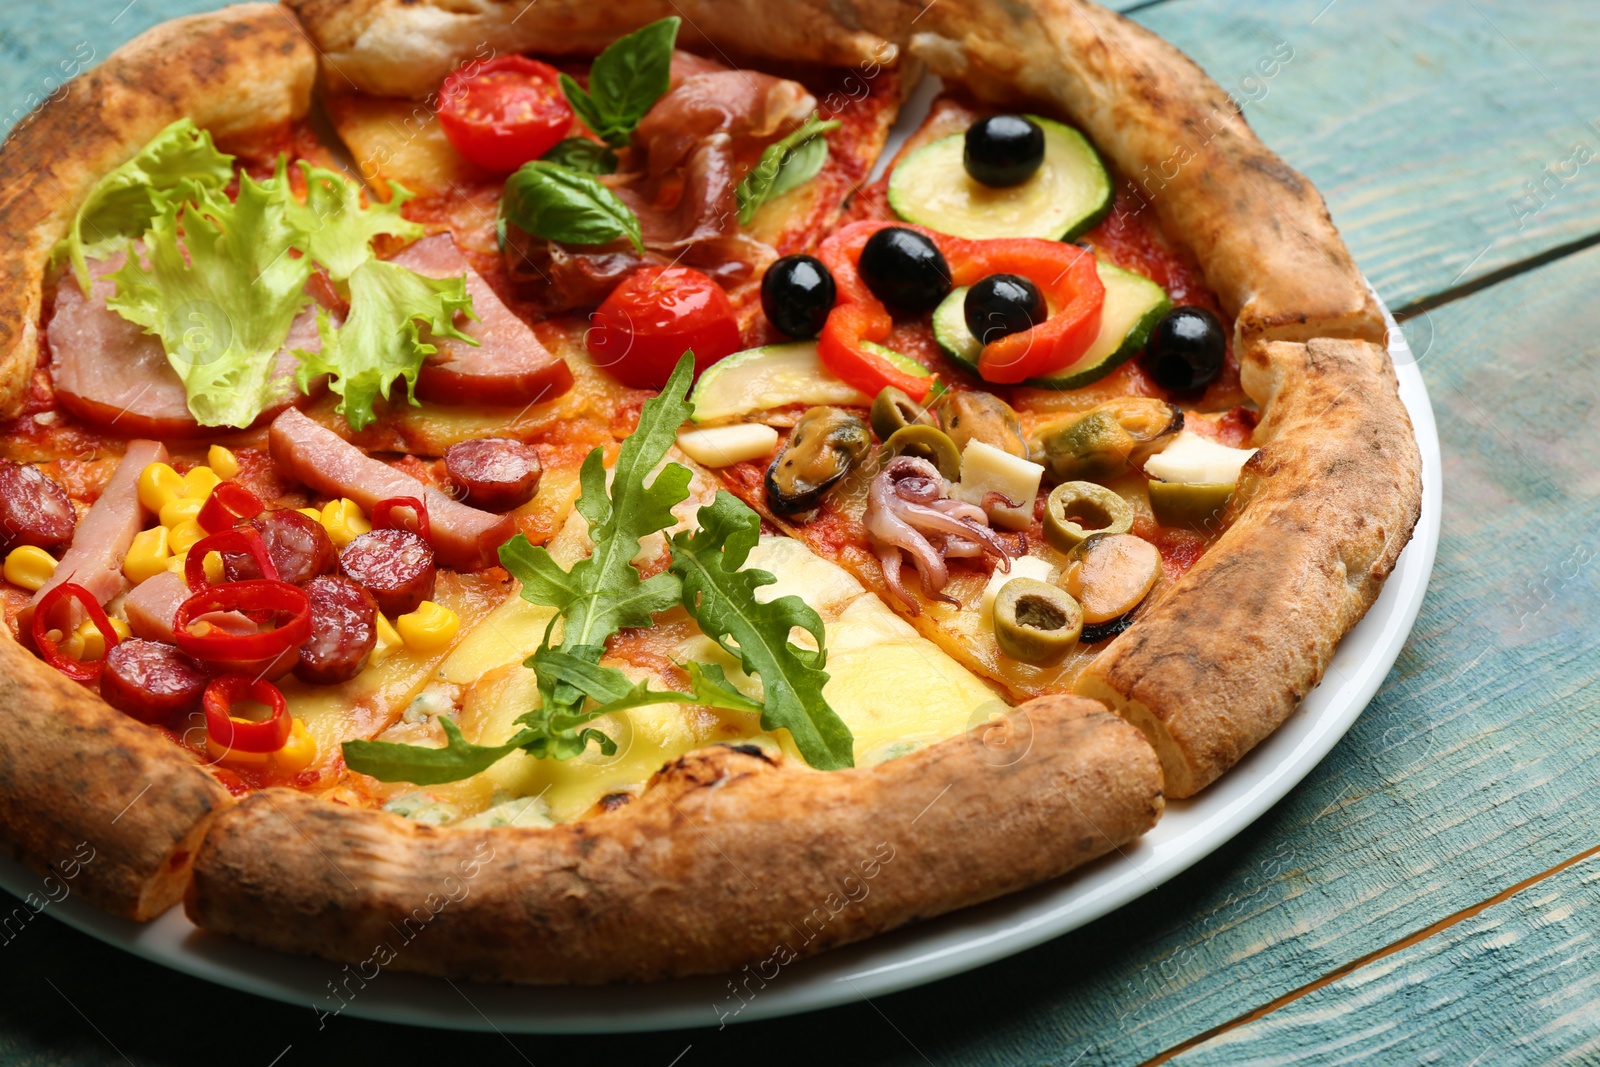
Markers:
505,112
643,328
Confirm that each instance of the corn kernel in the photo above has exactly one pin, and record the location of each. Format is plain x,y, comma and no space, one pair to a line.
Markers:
429,628
310,513
159,483
224,462
388,642
233,755
88,643
344,521
298,752
29,567
122,629
199,482
179,510
147,556
184,535
178,562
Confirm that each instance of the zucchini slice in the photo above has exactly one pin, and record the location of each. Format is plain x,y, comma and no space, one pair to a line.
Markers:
1133,304
1069,194
775,376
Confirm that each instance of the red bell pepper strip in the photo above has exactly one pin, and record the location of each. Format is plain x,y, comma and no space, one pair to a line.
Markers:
233,539
77,670
1070,282
383,515
245,735
216,645
860,316
228,505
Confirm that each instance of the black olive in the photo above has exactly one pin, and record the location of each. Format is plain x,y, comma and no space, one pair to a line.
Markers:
797,293
1003,304
905,270
1003,150
1186,349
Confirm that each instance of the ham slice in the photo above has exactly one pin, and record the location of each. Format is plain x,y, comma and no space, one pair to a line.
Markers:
111,373
94,560
153,605
464,538
508,366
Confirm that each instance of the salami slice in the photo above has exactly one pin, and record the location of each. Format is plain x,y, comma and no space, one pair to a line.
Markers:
343,630
151,681
34,509
297,544
395,566
493,473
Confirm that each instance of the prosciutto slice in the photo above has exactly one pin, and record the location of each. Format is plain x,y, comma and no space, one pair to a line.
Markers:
94,560
689,153
463,537
508,366
110,373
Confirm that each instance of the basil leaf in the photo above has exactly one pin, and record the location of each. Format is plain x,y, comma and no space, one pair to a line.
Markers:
560,204
390,761
583,155
625,80
785,164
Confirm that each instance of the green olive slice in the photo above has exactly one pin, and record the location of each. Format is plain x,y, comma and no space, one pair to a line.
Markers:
1036,622
1076,510
1194,507
1111,574
925,442
894,410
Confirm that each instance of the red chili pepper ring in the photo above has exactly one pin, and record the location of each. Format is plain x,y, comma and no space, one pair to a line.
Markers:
77,670
383,515
232,539
228,505
215,644
245,735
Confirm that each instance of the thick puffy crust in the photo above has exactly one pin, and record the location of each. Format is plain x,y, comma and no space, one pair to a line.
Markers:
86,793
729,858
241,72
406,47
1324,509
1259,229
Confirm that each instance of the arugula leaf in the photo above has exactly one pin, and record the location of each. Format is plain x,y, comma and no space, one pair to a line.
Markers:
561,204
338,228
175,166
783,165
382,340
391,761
612,689
583,155
625,80
223,301
721,597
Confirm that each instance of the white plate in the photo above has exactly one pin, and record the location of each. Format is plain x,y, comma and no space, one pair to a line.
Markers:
923,953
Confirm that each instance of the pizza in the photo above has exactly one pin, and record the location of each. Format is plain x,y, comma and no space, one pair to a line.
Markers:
509,478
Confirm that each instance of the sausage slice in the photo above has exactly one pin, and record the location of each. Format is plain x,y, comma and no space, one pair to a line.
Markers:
493,473
151,681
396,566
343,630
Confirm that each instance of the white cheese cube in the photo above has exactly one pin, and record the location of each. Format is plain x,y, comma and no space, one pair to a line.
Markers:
1194,460
723,446
986,469
1023,567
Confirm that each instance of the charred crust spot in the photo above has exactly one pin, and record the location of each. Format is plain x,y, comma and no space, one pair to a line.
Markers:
1272,167
612,801
757,751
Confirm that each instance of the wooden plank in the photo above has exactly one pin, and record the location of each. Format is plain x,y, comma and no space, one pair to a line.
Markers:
1425,124
1515,984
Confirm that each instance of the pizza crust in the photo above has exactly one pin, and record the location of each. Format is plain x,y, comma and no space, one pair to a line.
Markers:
1323,510
730,857
242,72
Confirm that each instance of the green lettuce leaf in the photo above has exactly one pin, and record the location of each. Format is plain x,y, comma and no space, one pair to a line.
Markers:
382,340
721,597
223,310
338,228
176,166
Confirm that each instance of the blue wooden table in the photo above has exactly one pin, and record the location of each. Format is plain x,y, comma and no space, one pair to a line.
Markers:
1430,893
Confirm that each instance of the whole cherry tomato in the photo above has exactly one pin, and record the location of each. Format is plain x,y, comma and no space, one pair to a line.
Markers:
505,112
657,313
